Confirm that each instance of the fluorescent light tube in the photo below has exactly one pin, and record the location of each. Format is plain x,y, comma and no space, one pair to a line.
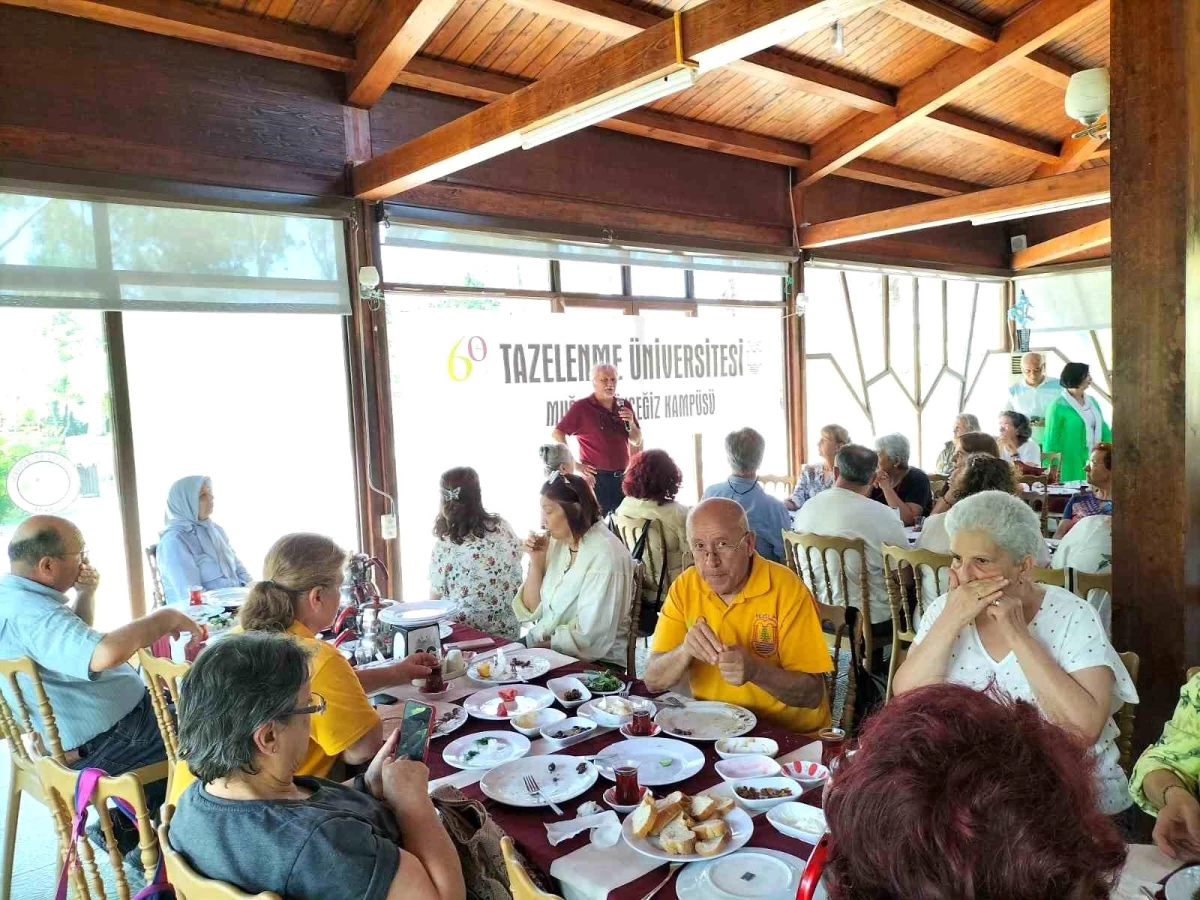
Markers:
1039,209
612,105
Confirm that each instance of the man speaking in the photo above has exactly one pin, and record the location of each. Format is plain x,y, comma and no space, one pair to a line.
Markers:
606,429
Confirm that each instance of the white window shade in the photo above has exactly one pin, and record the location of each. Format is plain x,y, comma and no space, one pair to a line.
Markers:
78,254
1071,301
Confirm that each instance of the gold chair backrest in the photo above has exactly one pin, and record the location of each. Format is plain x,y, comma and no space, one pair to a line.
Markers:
1038,496
520,885
163,677
16,721
1054,577
800,551
188,884
772,483
655,555
58,785
1083,583
895,560
636,584
1126,714
160,597
936,483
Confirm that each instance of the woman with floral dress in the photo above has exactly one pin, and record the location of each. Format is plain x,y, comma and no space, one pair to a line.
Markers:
476,562
818,476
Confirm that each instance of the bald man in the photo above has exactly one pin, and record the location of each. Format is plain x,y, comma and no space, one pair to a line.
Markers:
100,704
1035,392
607,431
742,629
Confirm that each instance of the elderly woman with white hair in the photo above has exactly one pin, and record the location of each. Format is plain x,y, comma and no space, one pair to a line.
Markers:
904,488
1037,642
963,423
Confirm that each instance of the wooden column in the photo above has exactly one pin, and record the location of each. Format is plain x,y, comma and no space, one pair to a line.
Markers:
1156,345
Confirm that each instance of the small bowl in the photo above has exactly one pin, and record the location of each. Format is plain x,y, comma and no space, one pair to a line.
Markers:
610,797
807,774
798,820
741,768
655,730
746,746
609,720
550,732
541,718
777,781
565,684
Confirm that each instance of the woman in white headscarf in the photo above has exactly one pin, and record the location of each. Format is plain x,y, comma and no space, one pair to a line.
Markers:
193,549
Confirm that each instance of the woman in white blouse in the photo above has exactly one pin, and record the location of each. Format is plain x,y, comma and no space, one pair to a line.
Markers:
1036,642
1015,439
577,592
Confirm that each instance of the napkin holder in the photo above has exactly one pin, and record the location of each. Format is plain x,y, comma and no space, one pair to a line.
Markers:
416,639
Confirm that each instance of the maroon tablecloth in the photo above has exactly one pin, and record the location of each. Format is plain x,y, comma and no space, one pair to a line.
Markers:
527,826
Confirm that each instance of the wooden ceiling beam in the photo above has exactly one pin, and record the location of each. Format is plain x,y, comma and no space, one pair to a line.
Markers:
1047,68
944,21
393,34
1024,198
992,136
1073,153
711,34
1038,23
212,25
908,179
1098,234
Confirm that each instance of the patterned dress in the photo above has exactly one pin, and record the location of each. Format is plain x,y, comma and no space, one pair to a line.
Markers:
481,575
1177,750
813,479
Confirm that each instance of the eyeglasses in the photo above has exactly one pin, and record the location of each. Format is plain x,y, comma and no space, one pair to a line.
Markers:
720,548
559,476
317,707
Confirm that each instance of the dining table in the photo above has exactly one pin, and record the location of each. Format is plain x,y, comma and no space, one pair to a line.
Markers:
582,870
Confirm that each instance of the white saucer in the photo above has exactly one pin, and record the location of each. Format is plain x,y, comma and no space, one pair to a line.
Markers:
610,797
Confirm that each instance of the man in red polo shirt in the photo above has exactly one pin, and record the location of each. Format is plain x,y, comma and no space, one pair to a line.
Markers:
606,429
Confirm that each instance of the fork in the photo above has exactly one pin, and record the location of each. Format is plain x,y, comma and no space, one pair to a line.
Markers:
670,874
668,700
531,785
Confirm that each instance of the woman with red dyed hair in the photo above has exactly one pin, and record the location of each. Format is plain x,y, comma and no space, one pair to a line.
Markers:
958,794
651,483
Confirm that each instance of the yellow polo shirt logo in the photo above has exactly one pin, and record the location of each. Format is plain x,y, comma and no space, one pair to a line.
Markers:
766,635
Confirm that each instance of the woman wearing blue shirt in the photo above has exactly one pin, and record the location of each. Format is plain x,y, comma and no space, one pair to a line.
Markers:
193,549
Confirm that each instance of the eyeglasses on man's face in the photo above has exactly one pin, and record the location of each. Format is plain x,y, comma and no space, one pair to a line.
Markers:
316,707
723,549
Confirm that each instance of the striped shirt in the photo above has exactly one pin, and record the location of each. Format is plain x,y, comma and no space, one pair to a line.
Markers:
35,621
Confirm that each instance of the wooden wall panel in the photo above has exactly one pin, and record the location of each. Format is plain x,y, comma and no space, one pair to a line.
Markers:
91,96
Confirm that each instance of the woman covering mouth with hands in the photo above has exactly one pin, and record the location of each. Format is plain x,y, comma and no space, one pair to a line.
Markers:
1036,642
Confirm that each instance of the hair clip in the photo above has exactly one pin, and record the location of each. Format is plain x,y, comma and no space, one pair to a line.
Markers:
451,493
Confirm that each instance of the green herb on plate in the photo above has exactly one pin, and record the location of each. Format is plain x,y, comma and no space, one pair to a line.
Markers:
665,763
603,681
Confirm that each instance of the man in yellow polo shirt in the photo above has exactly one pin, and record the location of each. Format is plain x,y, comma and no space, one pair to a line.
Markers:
743,629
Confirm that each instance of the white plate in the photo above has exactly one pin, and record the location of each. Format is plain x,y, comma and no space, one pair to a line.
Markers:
1183,884
592,710
778,782
483,704
413,615
230,596
563,782
739,768
457,717
203,613
546,716
750,874
741,827
564,685
649,754
801,821
706,720
743,746
509,746
550,732
533,667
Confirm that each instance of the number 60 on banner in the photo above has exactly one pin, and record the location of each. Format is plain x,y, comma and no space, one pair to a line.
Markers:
458,366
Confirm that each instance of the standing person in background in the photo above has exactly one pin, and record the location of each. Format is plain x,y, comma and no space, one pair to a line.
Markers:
1033,395
963,423
769,518
607,430
818,476
1074,423
193,549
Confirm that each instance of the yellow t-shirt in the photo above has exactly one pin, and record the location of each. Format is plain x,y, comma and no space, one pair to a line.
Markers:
774,617
348,714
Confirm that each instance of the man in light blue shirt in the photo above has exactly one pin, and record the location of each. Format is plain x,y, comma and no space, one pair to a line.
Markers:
1033,395
768,517
100,704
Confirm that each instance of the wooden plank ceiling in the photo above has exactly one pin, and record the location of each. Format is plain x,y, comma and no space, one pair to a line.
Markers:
943,96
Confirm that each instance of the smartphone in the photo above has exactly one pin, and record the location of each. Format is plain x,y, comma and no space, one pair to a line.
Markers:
415,730
383,700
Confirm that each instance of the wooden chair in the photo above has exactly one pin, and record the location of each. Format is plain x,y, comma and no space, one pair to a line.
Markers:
654,558
1054,577
187,883
163,677
1037,498
798,550
772,484
1125,715
936,483
26,744
903,605
520,885
635,617
58,785
160,596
